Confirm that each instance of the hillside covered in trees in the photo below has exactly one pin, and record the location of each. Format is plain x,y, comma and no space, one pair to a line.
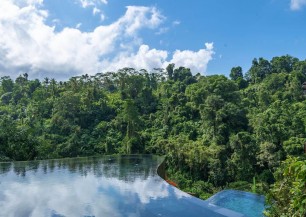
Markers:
215,131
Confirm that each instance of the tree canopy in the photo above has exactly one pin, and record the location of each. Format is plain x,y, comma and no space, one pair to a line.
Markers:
214,131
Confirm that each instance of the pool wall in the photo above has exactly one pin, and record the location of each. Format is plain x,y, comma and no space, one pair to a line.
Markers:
161,171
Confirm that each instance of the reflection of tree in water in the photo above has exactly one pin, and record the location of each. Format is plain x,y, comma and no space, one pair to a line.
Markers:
126,168
20,171
5,167
21,168
130,168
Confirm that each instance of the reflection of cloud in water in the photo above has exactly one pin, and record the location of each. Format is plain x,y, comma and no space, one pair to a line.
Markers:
40,200
81,195
180,194
152,188
117,187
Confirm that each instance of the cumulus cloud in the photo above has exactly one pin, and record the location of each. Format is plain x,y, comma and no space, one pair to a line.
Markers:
22,3
28,44
147,58
297,4
133,22
195,60
92,3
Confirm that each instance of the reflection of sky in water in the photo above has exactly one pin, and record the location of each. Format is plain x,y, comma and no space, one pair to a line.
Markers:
113,187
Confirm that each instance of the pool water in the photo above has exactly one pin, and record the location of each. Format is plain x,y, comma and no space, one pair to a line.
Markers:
121,186
251,205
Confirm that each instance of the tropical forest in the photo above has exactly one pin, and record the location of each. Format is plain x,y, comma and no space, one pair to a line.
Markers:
245,132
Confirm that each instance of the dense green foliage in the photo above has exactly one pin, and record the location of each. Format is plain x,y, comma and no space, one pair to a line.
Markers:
288,194
214,131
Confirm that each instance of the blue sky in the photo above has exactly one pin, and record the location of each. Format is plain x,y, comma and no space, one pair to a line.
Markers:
63,38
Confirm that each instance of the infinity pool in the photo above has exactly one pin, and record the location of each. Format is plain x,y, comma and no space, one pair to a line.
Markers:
101,187
252,205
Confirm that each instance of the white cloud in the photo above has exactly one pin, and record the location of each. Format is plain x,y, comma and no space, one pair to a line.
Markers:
95,11
102,17
195,60
22,3
78,25
28,44
162,30
145,58
142,19
92,3
297,4
176,22
56,21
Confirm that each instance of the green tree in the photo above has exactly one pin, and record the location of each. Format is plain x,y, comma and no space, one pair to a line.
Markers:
243,160
170,69
287,196
236,73
131,117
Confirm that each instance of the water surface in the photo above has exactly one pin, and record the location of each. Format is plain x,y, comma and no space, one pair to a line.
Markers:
101,186
252,205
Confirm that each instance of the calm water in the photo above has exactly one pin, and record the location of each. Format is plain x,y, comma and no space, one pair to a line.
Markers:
101,187
251,205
